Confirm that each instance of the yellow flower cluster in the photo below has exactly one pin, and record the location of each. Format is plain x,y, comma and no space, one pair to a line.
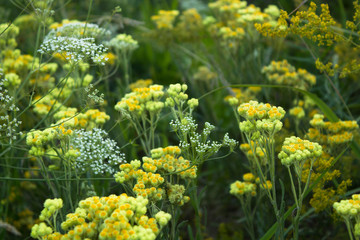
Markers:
236,12
267,185
90,119
283,73
204,74
249,177
111,218
165,19
175,194
245,147
167,160
231,38
260,117
141,100
296,150
141,83
123,43
254,110
7,39
239,189
332,133
110,58
189,26
17,66
234,19
298,112
147,181
63,22
323,29
51,206
177,95
164,161
44,104
39,140
242,96
248,186
15,62
318,28
349,208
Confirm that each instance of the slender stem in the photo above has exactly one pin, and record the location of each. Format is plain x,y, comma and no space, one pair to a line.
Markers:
348,226
173,223
293,187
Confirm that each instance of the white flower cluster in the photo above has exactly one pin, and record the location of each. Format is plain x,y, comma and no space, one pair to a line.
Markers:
8,125
195,140
191,140
123,42
74,49
186,125
229,141
79,30
96,152
93,94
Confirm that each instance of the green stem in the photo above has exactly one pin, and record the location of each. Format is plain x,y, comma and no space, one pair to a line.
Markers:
173,223
348,226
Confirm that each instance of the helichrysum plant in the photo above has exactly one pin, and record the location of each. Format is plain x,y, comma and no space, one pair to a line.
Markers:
349,210
245,191
112,217
142,107
123,45
284,73
262,122
195,146
165,176
295,152
334,137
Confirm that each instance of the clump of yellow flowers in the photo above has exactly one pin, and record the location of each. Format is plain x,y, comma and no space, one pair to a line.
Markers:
296,151
331,133
262,122
283,73
112,217
164,166
241,96
144,100
244,191
165,19
322,29
309,24
350,209
333,136
239,188
42,141
234,21
142,107
141,83
260,119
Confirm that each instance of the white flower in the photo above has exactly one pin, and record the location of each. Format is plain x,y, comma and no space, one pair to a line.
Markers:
96,152
74,49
